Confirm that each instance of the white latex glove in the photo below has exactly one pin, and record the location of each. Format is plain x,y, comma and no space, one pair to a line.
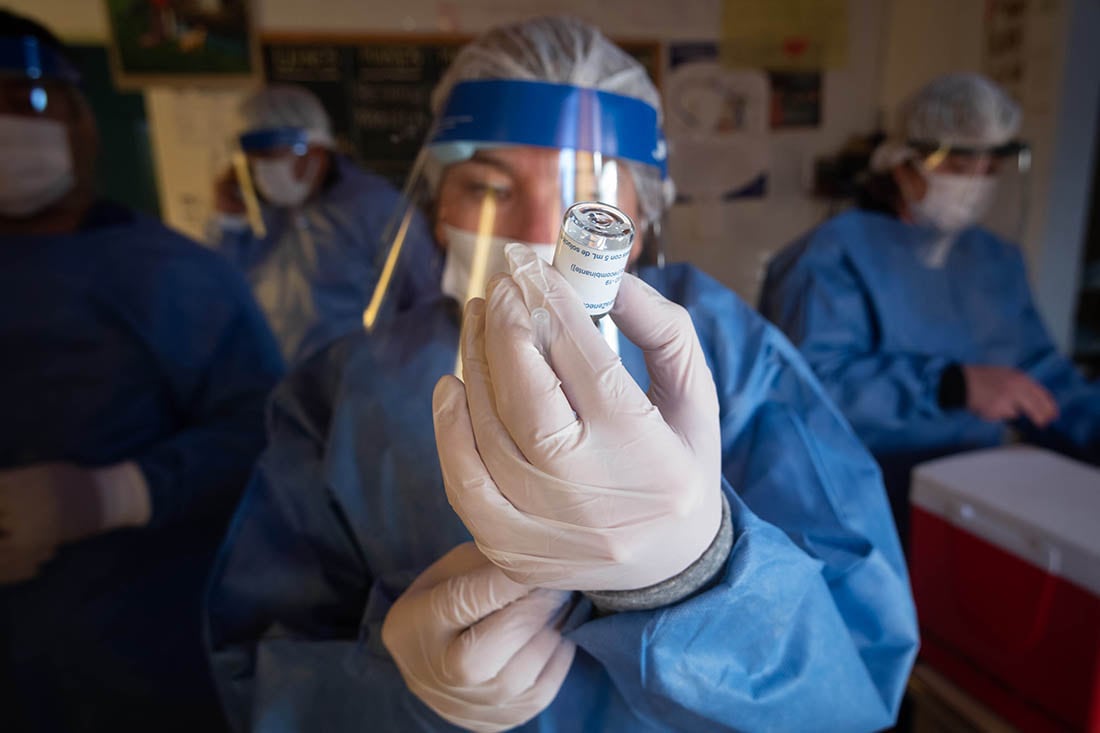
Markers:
577,479
482,651
46,505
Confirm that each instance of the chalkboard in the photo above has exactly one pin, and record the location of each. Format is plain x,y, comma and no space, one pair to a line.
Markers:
377,89
124,168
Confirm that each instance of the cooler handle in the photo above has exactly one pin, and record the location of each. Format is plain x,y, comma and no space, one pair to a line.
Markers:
1038,551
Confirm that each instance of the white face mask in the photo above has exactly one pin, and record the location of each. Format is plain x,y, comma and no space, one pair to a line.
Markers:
276,181
36,164
459,280
953,201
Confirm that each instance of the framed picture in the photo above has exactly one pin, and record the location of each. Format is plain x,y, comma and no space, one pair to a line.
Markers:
182,42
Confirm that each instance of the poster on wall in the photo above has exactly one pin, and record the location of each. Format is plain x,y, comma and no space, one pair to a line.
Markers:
716,120
795,99
792,35
181,42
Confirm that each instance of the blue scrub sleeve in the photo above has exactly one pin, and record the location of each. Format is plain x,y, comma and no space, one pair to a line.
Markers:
1077,429
751,653
881,394
220,363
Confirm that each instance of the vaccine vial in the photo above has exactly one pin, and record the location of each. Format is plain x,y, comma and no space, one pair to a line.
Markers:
591,253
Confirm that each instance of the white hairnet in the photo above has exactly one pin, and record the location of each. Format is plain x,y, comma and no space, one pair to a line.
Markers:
562,50
287,105
961,110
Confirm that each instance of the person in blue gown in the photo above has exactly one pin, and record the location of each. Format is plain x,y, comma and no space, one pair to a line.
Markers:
920,322
806,622
136,366
315,264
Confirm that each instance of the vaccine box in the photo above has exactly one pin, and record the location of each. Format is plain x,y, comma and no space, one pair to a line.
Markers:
1005,566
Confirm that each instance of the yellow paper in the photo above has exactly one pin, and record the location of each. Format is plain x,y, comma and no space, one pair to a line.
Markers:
785,34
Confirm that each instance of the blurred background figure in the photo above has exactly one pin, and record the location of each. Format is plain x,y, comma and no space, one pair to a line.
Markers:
314,266
135,370
919,321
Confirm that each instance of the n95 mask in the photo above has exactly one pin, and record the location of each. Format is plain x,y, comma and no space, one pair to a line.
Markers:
465,274
953,202
36,164
276,181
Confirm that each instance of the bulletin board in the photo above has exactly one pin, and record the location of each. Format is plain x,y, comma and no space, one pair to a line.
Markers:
377,89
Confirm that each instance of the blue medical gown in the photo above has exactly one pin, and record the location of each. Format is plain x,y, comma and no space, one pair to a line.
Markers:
810,627
314,272
125,341
879,327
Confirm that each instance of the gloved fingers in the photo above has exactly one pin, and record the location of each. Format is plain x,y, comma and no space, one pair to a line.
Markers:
593,379
529,397
682,386
470,488
461,559
485,649
461,601
480,399
519,676
474,495
1038,404
545,688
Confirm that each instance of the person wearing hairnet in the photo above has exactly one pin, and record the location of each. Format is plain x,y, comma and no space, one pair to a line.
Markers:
313,265
919,321
730,540
136,366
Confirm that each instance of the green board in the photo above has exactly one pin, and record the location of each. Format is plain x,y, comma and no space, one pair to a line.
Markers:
377,89
124,168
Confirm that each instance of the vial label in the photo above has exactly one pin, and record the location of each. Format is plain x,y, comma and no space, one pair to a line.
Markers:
593,248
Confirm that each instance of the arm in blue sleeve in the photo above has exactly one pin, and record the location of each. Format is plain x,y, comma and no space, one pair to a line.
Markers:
812,626
824,311
287,591
220,362
1077,430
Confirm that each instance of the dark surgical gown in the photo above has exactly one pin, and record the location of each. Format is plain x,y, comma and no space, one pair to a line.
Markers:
125,341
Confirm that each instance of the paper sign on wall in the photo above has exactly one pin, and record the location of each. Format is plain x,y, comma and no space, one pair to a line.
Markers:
785,34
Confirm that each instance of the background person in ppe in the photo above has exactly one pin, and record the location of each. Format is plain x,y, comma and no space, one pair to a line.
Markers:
918,321
346,567
135,370
324,216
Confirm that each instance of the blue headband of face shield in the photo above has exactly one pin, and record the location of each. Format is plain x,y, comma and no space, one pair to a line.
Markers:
515,112
258,141
26,57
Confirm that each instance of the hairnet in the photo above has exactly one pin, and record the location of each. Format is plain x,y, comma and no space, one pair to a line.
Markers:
562,50
287,105
961,110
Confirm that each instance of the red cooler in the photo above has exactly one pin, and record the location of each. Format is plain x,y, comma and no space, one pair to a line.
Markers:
1005,564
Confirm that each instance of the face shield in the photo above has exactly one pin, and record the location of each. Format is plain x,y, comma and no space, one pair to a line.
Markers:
38,102
504,161
966,186
275,164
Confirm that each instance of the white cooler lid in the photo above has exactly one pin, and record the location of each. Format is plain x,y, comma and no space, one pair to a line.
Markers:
1038,505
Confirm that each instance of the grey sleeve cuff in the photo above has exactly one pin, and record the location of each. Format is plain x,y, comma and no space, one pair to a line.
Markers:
696,576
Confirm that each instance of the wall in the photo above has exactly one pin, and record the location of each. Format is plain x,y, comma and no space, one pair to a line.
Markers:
896,46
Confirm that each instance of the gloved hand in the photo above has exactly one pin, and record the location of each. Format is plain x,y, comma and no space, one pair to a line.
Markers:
998,394
48,504
567,475
483,652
